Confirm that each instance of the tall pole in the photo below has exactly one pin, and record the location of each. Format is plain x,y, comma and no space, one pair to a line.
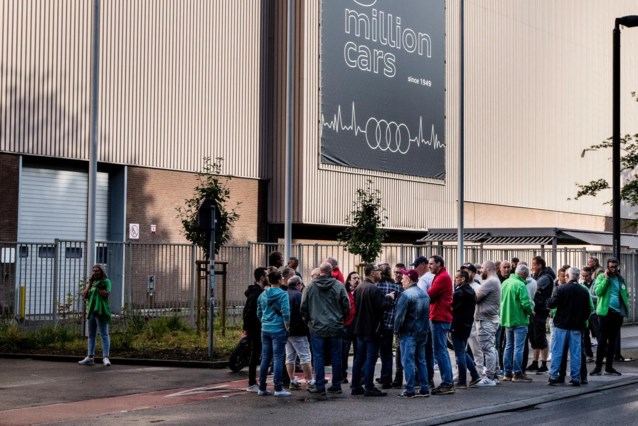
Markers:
211,307
289,134
616,142
461,205
94,152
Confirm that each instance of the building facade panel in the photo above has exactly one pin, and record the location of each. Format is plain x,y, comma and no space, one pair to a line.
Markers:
537,94
178,81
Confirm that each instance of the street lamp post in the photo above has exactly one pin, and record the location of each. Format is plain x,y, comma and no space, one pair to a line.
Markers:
625,21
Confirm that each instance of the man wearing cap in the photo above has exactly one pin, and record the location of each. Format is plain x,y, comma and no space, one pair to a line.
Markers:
441,320
425,281
398,367
473,341
411,323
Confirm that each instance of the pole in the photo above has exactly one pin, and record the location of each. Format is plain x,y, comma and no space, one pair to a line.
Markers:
289,134
211,311
94,152
461,206
616,142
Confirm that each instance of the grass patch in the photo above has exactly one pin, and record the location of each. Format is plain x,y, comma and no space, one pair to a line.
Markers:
132,336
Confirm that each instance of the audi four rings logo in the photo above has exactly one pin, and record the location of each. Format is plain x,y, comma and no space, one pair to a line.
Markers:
388,135
383,134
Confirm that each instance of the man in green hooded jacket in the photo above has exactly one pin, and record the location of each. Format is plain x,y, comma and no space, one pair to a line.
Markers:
611,308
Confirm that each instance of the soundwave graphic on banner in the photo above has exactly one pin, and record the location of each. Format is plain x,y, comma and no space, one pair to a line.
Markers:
383,134
383,85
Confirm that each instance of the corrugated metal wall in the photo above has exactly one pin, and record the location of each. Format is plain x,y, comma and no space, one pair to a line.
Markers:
538,92
179,80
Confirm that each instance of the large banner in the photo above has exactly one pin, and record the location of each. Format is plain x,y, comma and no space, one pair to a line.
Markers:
383,85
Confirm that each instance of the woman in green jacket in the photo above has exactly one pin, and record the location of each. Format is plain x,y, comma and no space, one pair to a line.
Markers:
98,314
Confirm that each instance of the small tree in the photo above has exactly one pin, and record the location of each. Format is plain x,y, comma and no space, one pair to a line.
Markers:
365,235
210,186
628,164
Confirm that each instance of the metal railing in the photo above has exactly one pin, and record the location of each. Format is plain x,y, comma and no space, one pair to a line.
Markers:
41,282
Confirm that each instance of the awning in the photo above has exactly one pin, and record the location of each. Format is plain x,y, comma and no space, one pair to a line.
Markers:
530,241
603,239
529,236
452,236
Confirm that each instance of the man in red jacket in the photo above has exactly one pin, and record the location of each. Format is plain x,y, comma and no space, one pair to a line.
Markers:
441,319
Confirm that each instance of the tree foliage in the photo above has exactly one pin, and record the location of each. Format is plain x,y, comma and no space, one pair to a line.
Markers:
365,235
210,185
628,163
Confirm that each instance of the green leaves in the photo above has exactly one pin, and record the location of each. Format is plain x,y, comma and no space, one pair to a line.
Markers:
210,185
628,163
365,235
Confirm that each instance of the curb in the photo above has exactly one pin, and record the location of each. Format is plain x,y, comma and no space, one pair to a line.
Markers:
124,361
517,405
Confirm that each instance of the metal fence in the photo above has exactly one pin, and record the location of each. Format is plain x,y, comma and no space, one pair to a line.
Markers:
41,282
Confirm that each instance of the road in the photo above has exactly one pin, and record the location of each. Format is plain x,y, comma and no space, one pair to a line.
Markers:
44,392
614,407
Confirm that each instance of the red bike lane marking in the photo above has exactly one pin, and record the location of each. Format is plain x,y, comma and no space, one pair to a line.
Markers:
109,405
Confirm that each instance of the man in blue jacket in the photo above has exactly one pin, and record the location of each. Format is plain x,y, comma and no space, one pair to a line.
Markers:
411,325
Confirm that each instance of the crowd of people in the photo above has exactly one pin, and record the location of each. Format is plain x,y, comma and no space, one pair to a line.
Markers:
488,314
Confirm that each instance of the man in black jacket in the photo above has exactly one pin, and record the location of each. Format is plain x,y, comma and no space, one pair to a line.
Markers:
369,302
572,303
252,326
544,277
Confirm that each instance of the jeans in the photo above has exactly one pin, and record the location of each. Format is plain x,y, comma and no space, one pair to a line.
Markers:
366,358
273,347
559,339
385,348
609,332
347,339
583,360
398,366
254,340
94,324
463,360
439,345
487,335
319,344
412,349
514,347
429,356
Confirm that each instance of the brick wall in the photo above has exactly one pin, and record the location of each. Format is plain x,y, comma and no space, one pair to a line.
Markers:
154,195
9,190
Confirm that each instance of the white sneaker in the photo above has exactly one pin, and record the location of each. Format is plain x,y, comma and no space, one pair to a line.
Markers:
311,382
87,361
106,361
282,392
253,388
485,381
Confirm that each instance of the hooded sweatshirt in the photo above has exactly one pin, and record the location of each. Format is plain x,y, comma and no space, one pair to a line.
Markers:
324,306
273,310
544,288
251,320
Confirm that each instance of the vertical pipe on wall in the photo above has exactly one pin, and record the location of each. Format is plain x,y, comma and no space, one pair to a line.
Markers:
289,134
461,140
95,85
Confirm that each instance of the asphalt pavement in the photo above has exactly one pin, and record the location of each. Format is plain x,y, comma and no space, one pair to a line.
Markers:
47,392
